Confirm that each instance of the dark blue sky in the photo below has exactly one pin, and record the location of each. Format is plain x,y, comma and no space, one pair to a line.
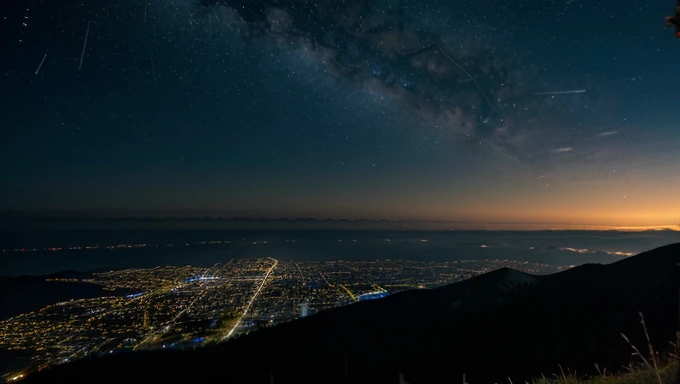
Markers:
405,110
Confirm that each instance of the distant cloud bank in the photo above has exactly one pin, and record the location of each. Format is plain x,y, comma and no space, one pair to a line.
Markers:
562,150
608,133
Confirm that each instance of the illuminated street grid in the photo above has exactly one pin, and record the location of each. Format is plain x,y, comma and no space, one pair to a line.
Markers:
185,307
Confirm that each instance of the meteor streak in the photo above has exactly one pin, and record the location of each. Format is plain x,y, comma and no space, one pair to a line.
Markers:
560,92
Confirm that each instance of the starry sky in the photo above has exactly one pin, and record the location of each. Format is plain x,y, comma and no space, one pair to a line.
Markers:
536,113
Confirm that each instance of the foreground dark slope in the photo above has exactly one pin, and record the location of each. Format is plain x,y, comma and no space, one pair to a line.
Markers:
489,327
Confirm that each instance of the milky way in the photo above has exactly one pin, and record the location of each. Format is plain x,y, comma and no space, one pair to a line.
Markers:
452,64
463,70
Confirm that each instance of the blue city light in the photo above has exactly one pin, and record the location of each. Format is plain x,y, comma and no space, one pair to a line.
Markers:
373,295
200,278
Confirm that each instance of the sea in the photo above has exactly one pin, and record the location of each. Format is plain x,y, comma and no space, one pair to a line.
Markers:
41,252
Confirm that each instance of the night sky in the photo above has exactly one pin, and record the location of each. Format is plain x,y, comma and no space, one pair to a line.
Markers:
560,112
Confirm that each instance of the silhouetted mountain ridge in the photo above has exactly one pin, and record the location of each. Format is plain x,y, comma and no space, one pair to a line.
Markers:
497,325
151,219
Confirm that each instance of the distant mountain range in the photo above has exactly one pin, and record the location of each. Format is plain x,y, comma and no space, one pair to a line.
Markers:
12,217
154,219
16,220
498,325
